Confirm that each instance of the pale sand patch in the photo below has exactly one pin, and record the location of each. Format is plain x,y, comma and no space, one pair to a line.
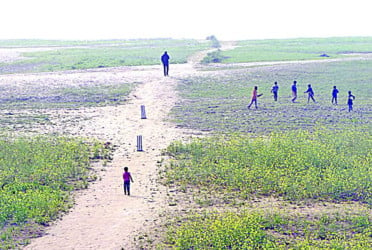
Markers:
9,55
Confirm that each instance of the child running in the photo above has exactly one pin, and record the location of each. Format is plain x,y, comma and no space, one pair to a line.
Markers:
127,177
254,97
310,93
350,100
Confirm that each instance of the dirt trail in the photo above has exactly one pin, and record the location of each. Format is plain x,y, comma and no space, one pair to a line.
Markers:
103,218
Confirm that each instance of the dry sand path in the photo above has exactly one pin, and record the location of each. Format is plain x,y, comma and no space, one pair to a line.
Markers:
103,218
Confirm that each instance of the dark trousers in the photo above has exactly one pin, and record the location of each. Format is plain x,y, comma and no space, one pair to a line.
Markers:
253,101
334,99
127,187
166,69
350,107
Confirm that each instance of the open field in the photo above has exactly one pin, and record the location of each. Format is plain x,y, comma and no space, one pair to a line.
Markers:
210,175
284,176
294,49
218,101
96,54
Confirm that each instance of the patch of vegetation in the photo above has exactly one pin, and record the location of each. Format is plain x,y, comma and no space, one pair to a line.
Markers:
215,42
297,165
213,57
247,230
10,119
85,95
226,174
37,175
97,95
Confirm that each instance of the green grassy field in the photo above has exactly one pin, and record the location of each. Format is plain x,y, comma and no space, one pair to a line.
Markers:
257,230
99,54
296,49
311,160
37,176
219,179
296,165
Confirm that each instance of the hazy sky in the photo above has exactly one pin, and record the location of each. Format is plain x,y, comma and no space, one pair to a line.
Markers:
227,20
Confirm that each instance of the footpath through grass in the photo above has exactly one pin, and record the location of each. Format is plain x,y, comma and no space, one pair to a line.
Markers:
37,175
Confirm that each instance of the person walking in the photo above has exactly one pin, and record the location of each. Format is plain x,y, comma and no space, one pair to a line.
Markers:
310,93
294,91
165,61
334,95
275,90
350,100
254,97
127,177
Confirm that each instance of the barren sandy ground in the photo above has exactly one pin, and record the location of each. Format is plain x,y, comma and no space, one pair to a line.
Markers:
13,54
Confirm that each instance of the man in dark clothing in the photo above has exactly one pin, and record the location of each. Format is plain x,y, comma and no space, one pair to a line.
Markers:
165,61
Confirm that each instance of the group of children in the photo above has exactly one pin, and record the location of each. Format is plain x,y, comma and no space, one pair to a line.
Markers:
127,177
309,91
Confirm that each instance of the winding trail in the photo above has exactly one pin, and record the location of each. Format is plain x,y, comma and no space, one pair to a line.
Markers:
102,217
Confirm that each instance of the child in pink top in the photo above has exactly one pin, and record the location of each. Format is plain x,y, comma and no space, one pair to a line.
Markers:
254,97
127,177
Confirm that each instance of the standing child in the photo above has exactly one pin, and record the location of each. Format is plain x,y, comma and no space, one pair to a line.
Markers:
127,177
334,95
310,93
294,91
275,90
350,100
254,97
